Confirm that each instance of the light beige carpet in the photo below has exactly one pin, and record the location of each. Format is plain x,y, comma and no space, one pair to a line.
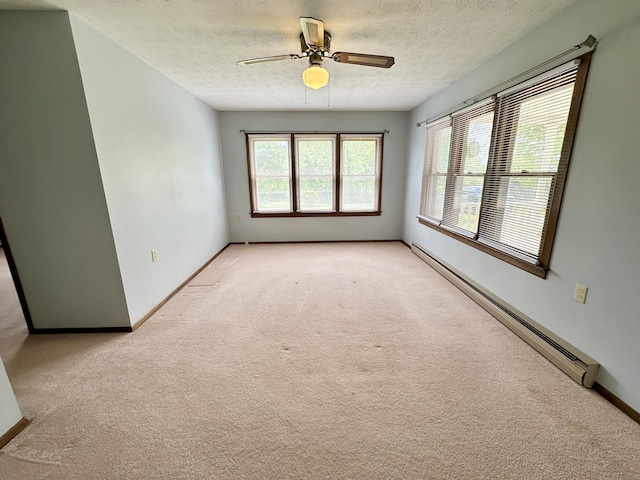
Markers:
307,361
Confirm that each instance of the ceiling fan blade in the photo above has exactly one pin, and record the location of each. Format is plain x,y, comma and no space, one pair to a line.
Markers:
380,61
313,31
275,58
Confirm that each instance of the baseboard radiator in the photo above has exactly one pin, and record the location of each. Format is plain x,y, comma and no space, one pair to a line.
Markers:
565,356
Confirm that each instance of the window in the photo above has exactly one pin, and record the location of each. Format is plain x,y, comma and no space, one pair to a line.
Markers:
271,173
316,166
460,146
360,173
314,174
494,172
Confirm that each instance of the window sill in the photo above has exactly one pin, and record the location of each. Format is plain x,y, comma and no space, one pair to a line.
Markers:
318,214
516,262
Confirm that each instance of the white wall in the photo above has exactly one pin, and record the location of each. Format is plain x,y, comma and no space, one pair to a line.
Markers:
387,226
51,198
159,153
599,228
9,411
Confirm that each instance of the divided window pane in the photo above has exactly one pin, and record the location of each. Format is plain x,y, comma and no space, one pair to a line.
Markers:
527,162
436,168
271,174
360,169
471,139
316,178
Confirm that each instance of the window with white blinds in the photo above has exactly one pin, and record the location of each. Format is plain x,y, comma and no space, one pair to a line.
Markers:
494,173
436,169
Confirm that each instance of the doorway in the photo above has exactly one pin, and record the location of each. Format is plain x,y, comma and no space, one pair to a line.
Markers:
8,276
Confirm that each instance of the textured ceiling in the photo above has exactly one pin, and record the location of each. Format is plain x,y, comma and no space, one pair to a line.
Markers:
197,44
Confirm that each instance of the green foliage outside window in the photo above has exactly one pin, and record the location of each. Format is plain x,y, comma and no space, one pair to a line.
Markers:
358,174
271,159
315,177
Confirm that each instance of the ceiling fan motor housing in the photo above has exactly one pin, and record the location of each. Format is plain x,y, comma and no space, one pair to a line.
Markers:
307,50
315,58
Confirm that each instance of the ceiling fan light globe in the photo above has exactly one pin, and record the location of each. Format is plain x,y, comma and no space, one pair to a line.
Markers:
315,77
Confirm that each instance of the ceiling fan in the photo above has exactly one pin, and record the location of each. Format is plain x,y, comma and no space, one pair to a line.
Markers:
315,43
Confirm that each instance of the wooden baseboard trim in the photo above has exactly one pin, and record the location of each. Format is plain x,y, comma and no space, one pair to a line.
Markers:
49,331
317,241
139,323
617,402
13,431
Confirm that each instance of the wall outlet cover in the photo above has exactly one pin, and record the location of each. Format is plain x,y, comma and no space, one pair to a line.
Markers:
580,294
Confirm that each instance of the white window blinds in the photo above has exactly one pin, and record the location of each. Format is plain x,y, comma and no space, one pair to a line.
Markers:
436,169
470,144
527,160
494,172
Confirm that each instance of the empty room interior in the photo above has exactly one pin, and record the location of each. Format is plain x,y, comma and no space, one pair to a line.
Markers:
317,240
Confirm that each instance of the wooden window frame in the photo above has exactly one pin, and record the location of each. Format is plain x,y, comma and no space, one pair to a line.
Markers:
337,185
253,177
553,212
460,126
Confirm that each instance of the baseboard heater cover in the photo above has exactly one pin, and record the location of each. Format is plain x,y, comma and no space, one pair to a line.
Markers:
576,364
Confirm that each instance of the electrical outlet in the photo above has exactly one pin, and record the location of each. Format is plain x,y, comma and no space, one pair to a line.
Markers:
154,255
580,295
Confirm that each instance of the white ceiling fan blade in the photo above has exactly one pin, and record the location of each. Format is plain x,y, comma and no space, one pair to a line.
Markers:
275,58
379,61
313,31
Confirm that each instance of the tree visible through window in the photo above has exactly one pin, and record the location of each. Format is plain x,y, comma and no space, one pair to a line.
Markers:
272,174
359,175
314,174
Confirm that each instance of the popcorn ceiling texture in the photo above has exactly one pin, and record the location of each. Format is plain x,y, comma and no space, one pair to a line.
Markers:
197,43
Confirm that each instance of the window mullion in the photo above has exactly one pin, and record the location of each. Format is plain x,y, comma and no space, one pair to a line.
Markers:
337,173
252,176
293,152
378,172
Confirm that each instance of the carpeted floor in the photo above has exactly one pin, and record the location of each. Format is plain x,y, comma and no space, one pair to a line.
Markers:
306,361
